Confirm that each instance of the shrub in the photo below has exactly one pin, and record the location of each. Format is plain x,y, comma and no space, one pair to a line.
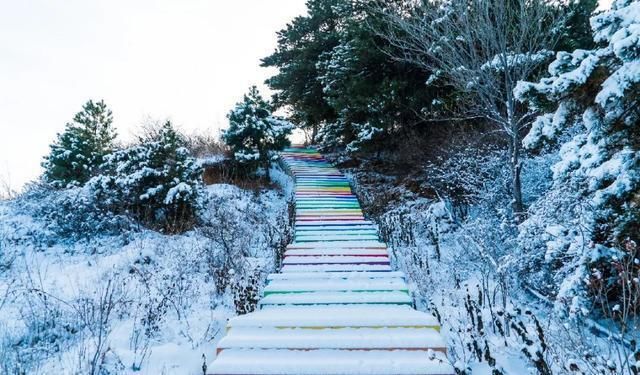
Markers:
254,132
157,182
70,215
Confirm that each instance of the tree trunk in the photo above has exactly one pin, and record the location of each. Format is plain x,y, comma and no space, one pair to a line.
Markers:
516,185
314,134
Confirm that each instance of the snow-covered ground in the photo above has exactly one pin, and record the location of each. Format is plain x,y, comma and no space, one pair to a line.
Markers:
138,301
466,277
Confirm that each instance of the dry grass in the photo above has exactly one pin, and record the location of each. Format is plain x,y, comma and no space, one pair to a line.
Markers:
227,172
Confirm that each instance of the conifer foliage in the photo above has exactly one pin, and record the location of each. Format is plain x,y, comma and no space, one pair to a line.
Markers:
157,181
590,113
76,155
254,132
339,83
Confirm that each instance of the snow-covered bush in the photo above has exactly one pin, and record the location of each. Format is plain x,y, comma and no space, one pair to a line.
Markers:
70,214
590,105
254,132
77,153
156,181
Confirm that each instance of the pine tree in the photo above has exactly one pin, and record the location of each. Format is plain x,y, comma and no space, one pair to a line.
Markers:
592,101
373,95
576,33
300,45
254,132
157,181
78,151
336,75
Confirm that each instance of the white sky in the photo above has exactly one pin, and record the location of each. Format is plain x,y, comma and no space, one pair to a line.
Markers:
187,60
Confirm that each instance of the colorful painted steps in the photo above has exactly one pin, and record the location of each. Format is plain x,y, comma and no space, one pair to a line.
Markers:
330,362
344,285
344,338
336,306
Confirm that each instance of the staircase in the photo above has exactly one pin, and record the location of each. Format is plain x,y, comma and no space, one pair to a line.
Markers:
336,307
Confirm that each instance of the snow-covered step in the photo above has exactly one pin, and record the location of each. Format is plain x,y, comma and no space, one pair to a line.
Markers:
330,212
324,193
343,298
329,362
323,184
336,316
345,244
344,338
334,237
302,189
336,251
334,275
322,215
328,202
326,199
346,212
328,206
372,235
321,226
330,218
332,201
311,223
335,259
335,268
336,228
347,284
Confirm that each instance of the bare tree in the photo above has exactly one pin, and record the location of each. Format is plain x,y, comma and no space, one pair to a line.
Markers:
6,187
480,48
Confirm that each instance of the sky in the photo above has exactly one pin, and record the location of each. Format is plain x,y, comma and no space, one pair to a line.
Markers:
186,60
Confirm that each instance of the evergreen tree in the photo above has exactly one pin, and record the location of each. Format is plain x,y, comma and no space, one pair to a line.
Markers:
592,101
78,151
373,95
336,75
254,132
157,181
300,45
576,31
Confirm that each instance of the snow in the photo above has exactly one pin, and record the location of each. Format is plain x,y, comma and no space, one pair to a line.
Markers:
178,192
329,362
336,251
343,284
335,316
620,81
159,279
499,62
333,275
211,159
335,268
329,298
337,259
344,338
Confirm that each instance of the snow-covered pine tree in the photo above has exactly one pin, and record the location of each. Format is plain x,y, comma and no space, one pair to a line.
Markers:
591,106
157,181
78,151
254,132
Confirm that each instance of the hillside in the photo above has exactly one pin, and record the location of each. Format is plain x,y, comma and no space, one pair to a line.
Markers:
136,300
